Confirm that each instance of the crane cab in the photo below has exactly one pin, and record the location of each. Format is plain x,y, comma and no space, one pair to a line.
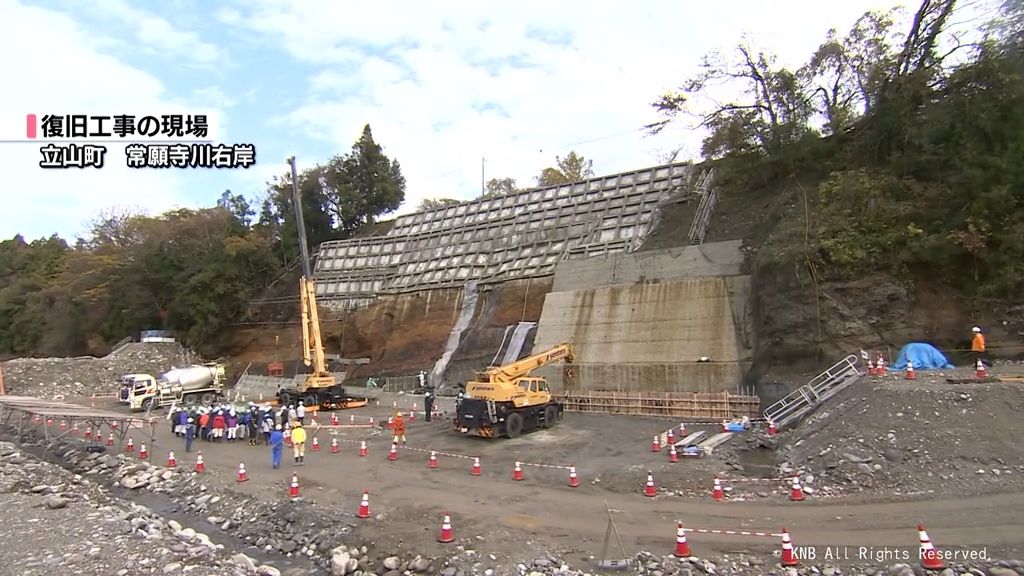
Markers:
533,391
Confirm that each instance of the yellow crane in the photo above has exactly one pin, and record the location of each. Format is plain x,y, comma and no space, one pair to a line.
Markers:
507,400
320,387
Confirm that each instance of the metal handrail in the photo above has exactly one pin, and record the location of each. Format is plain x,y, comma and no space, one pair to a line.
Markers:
818,390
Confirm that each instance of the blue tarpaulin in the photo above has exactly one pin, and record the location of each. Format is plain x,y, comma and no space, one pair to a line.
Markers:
924,356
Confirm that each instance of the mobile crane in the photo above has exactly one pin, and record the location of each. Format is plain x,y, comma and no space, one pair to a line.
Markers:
320,388
507,400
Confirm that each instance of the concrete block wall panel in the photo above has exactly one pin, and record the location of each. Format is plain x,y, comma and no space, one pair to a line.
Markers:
520,235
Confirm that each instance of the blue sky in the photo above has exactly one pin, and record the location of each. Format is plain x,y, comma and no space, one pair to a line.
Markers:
443,84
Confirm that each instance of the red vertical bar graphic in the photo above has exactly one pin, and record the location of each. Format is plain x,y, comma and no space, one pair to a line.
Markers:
30,126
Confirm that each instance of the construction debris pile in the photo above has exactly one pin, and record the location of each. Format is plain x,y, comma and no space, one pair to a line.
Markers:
55,378
910,438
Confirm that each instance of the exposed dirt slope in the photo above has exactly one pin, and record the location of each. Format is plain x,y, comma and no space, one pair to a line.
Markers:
898,437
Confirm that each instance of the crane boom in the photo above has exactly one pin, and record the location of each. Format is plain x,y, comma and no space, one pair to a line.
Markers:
520,368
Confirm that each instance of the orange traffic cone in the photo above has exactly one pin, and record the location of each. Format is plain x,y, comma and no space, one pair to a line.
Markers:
682,548
772,430
412,414
316,445
475,470
143,453
371,422
334,419
682,429
574,481
880,366
656,444
517,472
242,476
930,559
293,489
717,493
650,490
446,535
788,558
130,446
88,433
63,424
673,456
110,439
74,426
670,438
432,462
393,453
871,368
910,375
362,448
980,372
351,418
171,462
364,506
796,493
334,446
200,467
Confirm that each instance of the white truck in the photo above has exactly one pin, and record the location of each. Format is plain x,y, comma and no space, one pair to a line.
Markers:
198,383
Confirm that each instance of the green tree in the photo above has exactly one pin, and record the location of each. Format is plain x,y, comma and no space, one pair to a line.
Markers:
361,185
435,203
277,215
238,206
572,168
500,187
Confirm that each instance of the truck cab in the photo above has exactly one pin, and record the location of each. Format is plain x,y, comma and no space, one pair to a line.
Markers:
132,385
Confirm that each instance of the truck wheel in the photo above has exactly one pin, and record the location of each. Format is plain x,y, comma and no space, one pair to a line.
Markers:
550,416
148,404
208,398
514,425
284,399
311,400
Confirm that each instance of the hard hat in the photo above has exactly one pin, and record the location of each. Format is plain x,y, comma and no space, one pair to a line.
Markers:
975,329
399,414
278,427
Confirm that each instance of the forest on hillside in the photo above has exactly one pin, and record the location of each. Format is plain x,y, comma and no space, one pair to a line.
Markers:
917,137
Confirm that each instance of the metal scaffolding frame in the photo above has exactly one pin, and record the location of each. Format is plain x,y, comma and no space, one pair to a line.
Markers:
58,420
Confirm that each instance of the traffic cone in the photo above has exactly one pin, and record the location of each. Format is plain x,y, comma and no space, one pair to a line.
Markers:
371,421
871,368
391,423
143,453
517,472
725,425
412,414
650,490
796,493
200,466
364,506
334,446
670,438
673,456
980,372
88,433
432,462
63,424
772,430
574,481
682,548
316,445
362,448
242,476
393,453
334,419
171,462
446,535
910,375
717,493
930,559
110,439
351,418
475,470
74,427
682,429
313,422
788,558
656,444
880,366
130,446
293,489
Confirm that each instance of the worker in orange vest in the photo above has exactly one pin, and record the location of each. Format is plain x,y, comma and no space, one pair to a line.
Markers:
978,346
398,425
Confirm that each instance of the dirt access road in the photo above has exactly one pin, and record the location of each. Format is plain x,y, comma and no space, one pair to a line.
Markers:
612,457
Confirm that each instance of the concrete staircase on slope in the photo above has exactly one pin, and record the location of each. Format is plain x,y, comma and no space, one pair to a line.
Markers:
805,399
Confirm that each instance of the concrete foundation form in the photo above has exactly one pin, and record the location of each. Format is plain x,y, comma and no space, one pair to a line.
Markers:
721,405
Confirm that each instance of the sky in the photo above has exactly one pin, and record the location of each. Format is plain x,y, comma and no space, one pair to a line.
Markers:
450,89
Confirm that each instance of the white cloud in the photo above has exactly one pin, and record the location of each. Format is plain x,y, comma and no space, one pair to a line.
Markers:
159,35
81,81
443,85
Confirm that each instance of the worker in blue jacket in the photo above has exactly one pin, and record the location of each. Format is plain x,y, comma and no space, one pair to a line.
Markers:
276,446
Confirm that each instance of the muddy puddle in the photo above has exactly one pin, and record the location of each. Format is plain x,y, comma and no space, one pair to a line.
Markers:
758,462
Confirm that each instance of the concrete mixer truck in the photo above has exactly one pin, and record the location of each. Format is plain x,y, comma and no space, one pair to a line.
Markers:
198,383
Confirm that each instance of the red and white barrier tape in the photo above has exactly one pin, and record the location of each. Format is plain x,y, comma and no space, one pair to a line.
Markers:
779,479
439,453
732,532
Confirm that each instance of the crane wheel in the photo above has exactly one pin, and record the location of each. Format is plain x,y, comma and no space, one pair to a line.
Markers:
550,416
514,425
